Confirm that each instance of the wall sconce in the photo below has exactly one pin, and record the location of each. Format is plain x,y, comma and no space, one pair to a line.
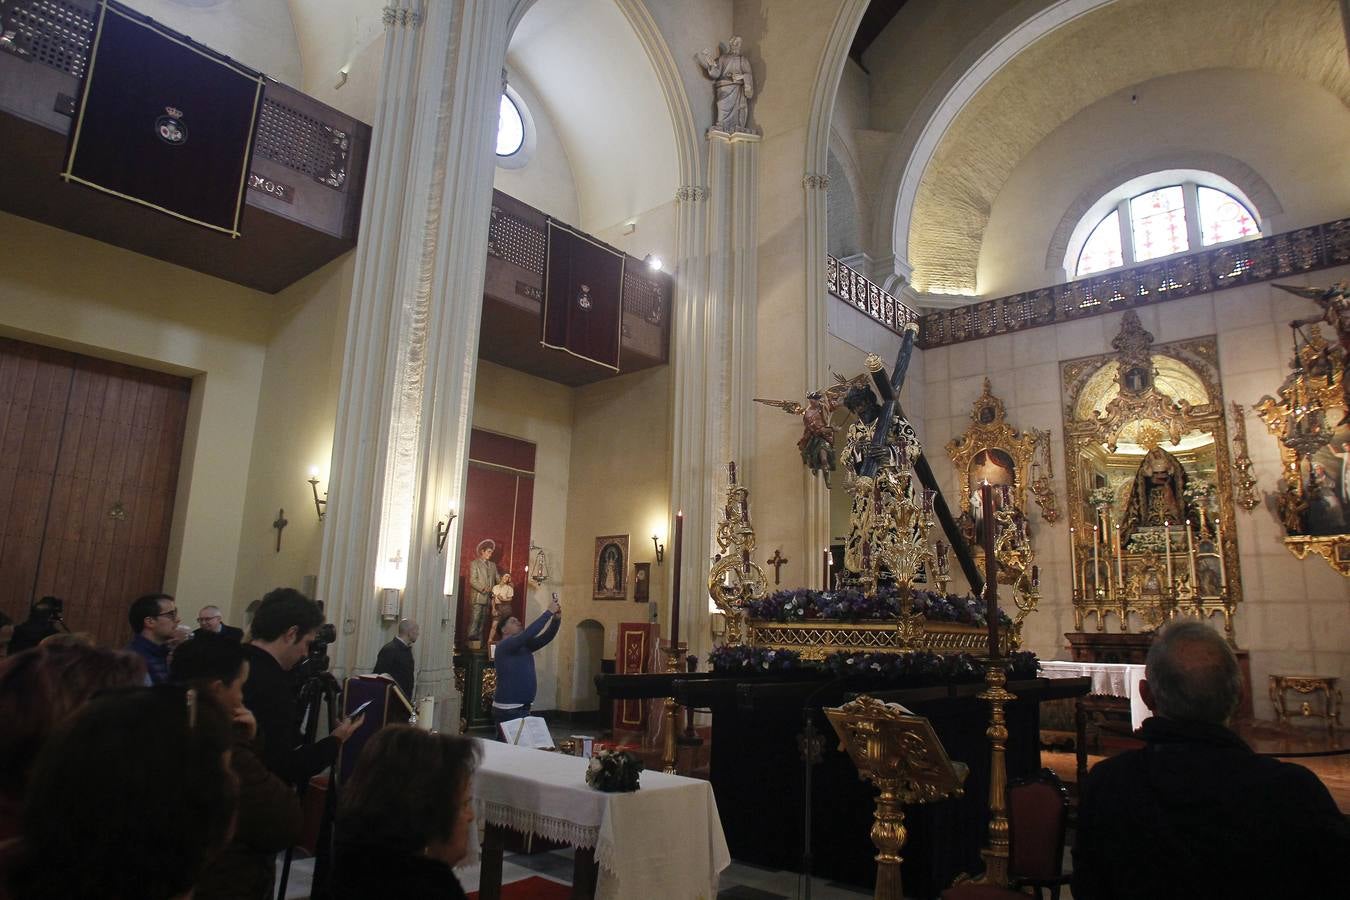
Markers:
653,262
660,550
443,529
320,506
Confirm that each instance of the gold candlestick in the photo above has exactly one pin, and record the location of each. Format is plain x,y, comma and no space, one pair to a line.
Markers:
672,711
996,855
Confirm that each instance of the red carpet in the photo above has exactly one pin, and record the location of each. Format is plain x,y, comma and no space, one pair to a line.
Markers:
533,888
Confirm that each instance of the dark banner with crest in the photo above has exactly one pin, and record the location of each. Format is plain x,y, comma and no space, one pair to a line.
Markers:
164,122
583,296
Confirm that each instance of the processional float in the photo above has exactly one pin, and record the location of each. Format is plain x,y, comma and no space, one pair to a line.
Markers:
895,504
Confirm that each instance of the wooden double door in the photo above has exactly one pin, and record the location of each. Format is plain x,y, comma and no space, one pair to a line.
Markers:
89,457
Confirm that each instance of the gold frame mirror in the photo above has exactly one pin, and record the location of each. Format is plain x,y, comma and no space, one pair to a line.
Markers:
1149,484
1315,451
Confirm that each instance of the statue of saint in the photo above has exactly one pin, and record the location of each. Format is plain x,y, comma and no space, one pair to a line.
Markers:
734,84
483,576
1159,486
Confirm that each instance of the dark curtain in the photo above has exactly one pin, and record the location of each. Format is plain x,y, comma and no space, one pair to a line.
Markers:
583,296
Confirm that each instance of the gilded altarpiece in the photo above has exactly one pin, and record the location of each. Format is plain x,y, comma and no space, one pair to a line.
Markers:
1149,483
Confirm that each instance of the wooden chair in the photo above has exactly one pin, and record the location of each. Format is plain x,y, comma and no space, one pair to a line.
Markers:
1038,812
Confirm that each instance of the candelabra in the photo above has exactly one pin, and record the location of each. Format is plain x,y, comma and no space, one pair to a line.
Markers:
1243,479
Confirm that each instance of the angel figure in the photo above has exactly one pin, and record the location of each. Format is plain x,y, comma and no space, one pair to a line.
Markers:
1335,303
817,440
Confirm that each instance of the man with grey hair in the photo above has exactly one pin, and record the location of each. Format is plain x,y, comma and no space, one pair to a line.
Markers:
396,658
1196,813
211,619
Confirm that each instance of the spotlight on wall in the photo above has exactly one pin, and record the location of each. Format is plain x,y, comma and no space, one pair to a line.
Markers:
660,550
443,529
653,262
320,505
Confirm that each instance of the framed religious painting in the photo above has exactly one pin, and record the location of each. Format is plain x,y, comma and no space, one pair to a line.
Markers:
609,573
642,582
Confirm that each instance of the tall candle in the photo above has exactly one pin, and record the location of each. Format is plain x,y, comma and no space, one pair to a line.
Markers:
990,568
675,588
829,563
1190,551
1167,547
1096,567
1218,548
1120,563
1073,560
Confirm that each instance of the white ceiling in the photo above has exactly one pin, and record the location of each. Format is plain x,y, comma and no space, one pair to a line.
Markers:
592,74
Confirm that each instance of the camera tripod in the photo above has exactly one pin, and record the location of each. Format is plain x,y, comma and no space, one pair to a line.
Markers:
318,692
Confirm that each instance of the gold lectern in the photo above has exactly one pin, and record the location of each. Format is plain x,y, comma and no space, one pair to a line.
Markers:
901,755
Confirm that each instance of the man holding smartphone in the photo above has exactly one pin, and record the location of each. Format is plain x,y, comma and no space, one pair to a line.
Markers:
516,684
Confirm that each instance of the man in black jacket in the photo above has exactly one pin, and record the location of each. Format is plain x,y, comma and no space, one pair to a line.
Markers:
396,658
283,628
1196,813
211,620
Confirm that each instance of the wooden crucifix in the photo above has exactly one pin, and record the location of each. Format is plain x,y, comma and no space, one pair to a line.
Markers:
778,560
279,524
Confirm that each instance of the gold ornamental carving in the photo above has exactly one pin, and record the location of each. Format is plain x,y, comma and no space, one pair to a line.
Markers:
1149,485
489,688
735,579
1244,482
1307,416
901,755
991,443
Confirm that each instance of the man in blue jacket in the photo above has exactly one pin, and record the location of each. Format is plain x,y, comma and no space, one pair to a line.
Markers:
515,663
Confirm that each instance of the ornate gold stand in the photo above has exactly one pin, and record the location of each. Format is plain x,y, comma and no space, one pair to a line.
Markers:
996,856
672,710
901,755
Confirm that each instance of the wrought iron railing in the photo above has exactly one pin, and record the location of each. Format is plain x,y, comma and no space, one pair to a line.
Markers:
1233,265
865,295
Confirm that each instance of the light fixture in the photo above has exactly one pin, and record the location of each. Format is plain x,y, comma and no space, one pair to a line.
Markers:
660,550
538,567
443,529
320,505
653,262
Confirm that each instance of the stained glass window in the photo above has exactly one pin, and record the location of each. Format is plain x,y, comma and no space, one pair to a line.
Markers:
1102,250
1223,218
1158,223
510,128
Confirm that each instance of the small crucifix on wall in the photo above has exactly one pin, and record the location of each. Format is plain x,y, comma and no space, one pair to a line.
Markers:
778,560
279,524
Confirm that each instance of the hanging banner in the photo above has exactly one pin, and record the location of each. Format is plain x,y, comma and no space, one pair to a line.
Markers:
583,296
164,122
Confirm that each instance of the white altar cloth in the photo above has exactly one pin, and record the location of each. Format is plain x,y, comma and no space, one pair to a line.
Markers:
664,840
1108,679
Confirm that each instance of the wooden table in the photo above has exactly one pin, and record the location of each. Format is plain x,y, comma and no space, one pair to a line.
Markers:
1307,685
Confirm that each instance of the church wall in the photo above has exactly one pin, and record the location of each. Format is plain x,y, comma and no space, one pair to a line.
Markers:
1175,121
618,483
532,409
78,294
654,233
545,181
297,408
1295,617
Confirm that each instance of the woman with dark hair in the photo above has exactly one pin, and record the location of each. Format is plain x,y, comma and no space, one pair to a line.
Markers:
405,816
269,818
128,800
40,689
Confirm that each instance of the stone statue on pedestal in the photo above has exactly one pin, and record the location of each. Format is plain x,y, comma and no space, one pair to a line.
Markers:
733,84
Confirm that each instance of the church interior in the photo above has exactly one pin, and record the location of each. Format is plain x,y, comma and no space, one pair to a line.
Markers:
573,299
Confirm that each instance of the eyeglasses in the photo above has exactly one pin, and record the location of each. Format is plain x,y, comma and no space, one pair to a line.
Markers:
202,620
168,612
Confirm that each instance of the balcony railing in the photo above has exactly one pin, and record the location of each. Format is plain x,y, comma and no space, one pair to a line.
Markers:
1229,266
866,296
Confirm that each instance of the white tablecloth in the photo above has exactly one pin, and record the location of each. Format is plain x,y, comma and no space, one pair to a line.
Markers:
662,841
1108,679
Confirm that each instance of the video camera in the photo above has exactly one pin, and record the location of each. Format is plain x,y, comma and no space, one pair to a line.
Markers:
317,660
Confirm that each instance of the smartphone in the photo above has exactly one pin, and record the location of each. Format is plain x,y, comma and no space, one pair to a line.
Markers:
360,709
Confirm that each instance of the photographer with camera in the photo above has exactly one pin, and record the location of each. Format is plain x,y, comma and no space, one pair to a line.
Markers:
285,626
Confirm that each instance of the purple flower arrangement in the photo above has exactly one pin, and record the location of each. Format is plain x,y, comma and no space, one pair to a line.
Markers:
924,669
744,659
847,605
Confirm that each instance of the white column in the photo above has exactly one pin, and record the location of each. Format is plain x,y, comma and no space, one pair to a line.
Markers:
400,446
816,522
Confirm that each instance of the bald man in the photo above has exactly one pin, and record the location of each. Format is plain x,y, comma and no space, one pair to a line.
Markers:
210,619
396,657
1196,813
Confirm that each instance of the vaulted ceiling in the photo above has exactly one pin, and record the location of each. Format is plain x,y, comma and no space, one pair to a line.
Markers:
1121,44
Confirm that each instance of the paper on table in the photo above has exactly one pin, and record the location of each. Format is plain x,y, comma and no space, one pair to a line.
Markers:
529,731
